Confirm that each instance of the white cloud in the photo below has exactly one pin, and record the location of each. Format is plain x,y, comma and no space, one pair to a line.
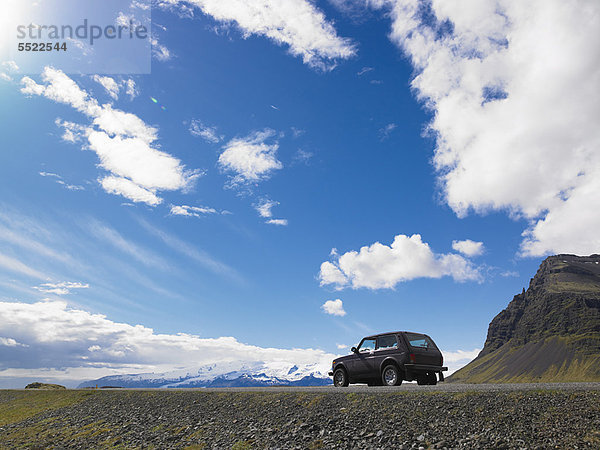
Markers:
250,158
9,342
364,70
298,24
197,128
334,307
468,247
385,132
131,89
192,211
279,222
516,129
58,179
64,342
380,266
124,143
10,67
61,288
128,189
109,84
264,208
341,346
458,359
50,174
159,51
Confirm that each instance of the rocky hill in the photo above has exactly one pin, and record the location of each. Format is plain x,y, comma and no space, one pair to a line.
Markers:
550,332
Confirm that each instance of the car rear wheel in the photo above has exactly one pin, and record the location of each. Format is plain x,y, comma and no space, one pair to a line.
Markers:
340,378
390,376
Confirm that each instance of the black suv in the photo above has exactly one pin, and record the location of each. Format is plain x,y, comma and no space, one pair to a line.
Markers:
387,359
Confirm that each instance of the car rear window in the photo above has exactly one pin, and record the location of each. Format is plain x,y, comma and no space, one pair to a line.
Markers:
419,341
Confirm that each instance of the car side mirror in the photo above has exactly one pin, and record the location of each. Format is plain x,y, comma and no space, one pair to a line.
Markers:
354,350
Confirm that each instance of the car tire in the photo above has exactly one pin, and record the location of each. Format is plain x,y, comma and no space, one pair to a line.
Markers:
340,378
391,376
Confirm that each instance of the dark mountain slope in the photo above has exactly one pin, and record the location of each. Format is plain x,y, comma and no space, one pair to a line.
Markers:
551,332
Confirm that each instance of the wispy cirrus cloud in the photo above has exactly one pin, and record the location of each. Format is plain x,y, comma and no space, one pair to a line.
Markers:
191,211
190,251
61,288
15,265
206,132
58,179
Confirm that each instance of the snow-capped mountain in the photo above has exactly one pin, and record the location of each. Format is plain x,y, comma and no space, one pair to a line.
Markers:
232,374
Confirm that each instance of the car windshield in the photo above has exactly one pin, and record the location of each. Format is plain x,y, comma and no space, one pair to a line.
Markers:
419,341
367,345
387,342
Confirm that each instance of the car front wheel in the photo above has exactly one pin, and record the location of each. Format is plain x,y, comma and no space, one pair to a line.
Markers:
340,378
390,376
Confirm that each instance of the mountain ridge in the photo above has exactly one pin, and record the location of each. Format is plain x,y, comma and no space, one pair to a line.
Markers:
549,332
227,374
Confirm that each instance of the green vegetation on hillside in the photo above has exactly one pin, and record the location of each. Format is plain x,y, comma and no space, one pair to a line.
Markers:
16,406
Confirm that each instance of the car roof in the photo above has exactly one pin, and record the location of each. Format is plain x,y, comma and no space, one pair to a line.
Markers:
392,332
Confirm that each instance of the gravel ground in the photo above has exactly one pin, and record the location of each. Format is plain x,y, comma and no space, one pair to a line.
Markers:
410,417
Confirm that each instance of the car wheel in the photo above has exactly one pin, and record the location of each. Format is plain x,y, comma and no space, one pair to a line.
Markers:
422,380
340,378
390,376
431,379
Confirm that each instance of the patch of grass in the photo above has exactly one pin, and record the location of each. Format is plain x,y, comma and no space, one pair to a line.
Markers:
22,405
593,437
316,444
242,445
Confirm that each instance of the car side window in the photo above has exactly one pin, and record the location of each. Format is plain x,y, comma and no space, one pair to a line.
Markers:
387,342
367,345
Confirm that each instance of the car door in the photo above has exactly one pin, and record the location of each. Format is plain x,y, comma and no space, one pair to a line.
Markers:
387,345
424,349
363,364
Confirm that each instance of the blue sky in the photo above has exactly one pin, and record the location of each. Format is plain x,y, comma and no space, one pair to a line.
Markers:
349,131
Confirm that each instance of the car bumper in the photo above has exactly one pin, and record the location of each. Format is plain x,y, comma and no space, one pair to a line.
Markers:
413,369
425,367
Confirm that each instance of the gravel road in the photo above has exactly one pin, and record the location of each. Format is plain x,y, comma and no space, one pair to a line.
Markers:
408,417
